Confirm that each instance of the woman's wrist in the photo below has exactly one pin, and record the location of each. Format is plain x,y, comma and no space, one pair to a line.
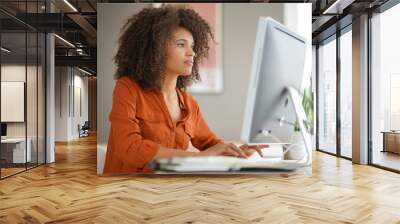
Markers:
164,152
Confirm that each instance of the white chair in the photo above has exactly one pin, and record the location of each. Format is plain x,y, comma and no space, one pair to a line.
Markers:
101,157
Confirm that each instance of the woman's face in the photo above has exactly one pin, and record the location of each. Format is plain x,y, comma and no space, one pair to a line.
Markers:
180,54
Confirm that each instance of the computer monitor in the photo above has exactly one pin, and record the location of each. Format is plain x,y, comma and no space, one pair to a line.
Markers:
3,130
273,103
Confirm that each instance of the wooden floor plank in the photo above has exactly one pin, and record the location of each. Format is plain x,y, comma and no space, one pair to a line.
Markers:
69,191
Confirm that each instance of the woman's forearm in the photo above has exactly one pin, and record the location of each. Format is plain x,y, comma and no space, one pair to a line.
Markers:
164,152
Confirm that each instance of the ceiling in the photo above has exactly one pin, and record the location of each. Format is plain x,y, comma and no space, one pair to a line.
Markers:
333,15
76,22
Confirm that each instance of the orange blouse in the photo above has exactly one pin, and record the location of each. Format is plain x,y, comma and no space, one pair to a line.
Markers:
141,123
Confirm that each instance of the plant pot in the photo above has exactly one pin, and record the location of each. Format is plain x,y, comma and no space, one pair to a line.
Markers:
297,150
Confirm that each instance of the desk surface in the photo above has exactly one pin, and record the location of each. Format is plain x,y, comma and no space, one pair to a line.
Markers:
390,132
13,140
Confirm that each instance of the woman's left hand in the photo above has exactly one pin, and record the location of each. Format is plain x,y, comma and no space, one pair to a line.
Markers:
250,149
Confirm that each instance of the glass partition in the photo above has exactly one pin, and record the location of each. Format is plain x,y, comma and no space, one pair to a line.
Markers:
327,96
22,88
13,96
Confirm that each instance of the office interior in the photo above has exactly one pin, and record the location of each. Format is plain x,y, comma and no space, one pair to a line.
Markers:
48,81
355,69
49,75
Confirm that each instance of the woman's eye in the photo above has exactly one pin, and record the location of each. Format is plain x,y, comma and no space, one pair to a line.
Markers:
181,45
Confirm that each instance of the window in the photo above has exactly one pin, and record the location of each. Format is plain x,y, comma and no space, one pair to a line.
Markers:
327,96
385,88
346,93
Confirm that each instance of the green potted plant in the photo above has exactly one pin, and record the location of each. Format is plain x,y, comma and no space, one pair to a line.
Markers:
297,149
308,106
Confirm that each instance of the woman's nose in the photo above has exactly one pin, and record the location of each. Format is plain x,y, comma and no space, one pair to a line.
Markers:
191,52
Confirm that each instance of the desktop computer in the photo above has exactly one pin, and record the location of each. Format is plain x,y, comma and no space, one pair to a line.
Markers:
273,103
272,108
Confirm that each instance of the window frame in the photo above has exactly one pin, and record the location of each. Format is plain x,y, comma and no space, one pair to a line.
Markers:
334,37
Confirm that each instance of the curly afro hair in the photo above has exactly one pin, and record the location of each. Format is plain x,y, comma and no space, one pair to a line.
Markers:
142,45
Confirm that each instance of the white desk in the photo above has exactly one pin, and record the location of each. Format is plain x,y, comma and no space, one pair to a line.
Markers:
17,146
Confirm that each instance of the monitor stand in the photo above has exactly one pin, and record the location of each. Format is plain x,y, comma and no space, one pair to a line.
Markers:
301,119
265,136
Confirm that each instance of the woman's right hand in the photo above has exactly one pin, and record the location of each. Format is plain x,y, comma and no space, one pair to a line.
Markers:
223,149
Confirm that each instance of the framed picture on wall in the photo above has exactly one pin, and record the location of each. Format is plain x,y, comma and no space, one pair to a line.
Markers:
12,101
210,69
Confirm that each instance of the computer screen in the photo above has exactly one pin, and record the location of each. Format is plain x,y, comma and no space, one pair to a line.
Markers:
278,63
3,129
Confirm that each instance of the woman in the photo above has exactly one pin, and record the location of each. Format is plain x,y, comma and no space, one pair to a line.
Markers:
152,116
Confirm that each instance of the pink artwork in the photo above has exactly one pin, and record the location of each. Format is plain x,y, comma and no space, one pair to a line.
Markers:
211,68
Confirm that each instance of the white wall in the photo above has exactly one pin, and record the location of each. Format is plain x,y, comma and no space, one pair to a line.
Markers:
110,19
67,80
80,83
14,72
61,103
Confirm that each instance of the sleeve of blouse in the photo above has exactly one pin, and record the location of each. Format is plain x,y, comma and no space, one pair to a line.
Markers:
129,145
203,136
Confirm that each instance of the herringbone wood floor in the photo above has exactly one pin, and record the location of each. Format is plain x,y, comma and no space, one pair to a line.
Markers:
69,191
